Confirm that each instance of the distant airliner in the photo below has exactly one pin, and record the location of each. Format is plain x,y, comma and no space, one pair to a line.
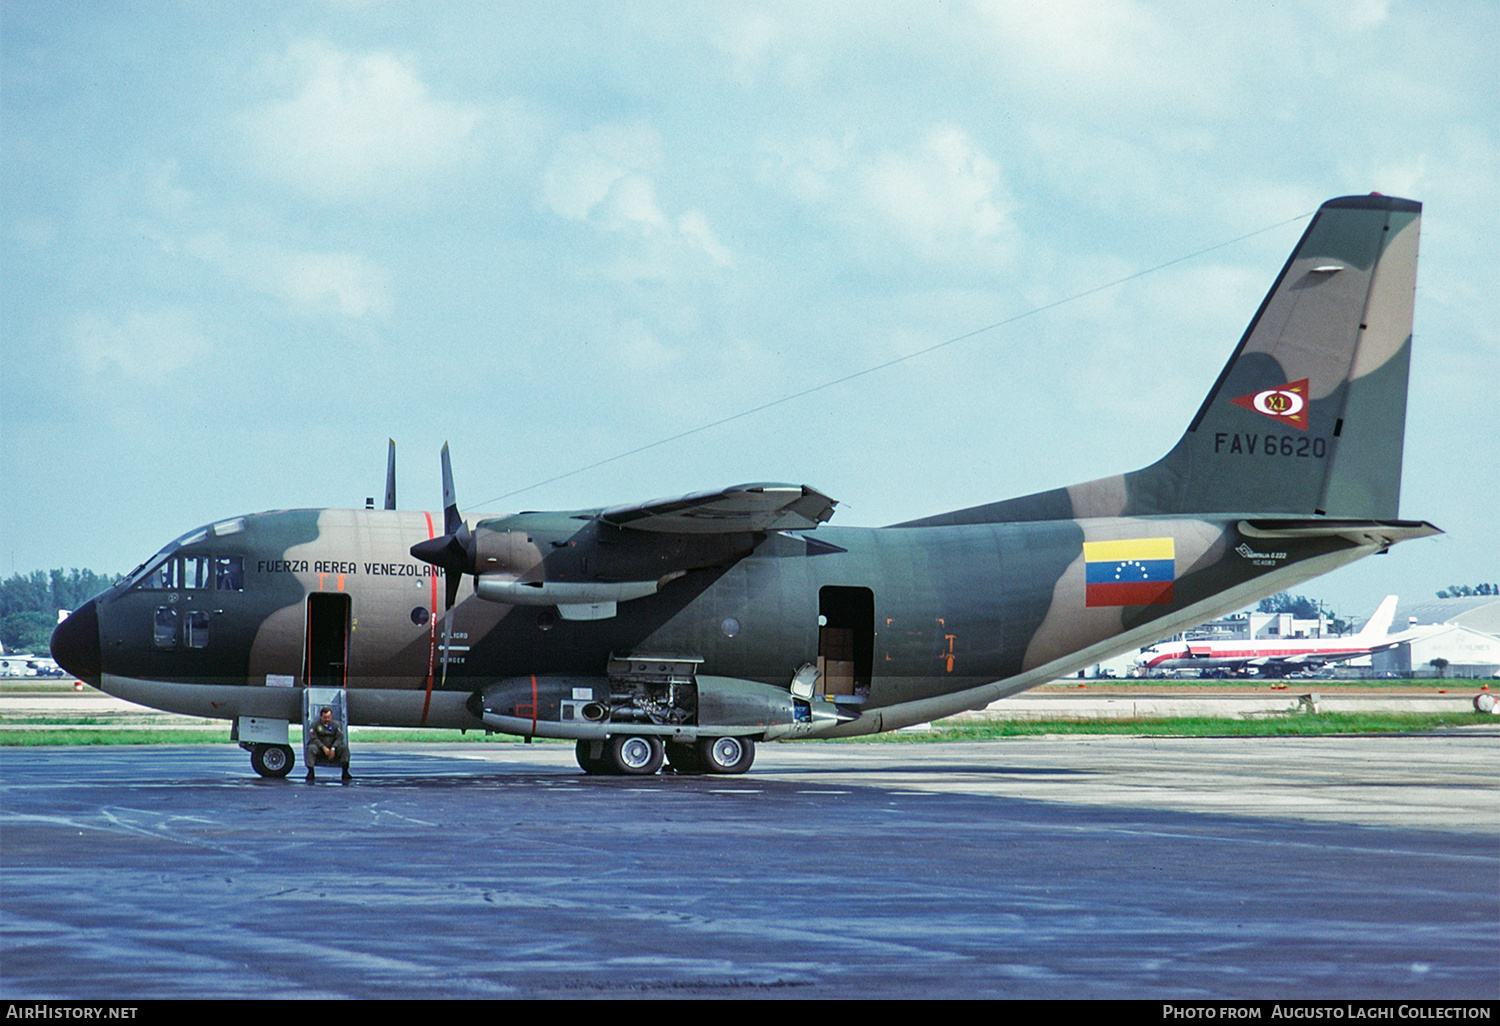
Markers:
1275,658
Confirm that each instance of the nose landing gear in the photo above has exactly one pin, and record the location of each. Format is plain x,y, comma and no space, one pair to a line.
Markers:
274,761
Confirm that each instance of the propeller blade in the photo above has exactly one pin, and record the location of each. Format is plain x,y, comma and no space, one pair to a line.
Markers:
390,476
453,551
451,520
452,581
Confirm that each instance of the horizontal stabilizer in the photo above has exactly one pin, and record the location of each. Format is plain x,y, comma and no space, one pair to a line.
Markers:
1362,532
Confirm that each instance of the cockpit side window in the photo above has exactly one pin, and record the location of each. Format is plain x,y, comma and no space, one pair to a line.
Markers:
172,574
229,573
195,571
162,577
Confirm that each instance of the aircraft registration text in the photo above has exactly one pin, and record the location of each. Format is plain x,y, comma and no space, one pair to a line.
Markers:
1270,445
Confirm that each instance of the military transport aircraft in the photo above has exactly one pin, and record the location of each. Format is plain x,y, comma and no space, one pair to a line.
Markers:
1275,657
692,628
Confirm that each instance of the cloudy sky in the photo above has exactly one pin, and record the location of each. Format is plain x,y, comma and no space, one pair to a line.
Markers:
244,244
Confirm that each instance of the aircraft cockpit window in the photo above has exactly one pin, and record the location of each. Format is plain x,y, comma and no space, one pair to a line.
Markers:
141,573
161,577
194,573
176,574
229,573
228,527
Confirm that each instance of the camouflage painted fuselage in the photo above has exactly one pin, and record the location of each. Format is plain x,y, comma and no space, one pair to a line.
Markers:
1290,469
962,615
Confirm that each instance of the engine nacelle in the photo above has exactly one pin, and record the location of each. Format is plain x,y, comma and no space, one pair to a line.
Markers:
680,707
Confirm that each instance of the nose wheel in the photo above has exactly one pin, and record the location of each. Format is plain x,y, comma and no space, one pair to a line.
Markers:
274,761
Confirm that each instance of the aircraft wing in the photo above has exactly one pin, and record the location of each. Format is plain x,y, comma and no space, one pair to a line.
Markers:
1371,649
738,509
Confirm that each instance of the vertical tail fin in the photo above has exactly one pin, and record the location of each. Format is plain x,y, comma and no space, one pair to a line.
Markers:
1309,415
1379,623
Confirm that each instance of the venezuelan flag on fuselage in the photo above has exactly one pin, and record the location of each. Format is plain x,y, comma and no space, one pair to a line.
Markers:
1130,572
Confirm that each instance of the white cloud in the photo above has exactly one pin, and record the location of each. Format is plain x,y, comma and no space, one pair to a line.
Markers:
945,191
693,227
187,233
640,351
631,204
748,42
310,282
1355,14
358,126
588,166
604,177
943,198
345,281
807,168
146,346
1090,51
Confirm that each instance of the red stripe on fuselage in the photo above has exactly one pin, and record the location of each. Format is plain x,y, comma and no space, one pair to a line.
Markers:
431,632
1201,653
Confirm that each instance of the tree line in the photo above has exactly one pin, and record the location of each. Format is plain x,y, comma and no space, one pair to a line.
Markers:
29,604
1468,590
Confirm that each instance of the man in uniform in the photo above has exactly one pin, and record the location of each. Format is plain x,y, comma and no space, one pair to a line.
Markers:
327,742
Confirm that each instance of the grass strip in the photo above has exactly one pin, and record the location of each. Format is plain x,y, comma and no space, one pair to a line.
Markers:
1287,725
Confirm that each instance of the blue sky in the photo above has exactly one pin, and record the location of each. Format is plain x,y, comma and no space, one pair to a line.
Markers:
244,244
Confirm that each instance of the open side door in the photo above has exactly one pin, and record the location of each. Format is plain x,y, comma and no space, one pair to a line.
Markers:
326,659
846,640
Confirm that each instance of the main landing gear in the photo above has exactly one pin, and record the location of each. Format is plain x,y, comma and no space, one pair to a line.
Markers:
633,755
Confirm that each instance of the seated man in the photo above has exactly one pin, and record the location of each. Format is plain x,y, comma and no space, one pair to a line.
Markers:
327,743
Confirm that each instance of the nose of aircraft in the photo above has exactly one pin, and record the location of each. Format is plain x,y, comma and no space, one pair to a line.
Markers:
75,643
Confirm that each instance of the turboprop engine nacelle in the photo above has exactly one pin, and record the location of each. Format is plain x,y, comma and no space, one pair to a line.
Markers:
649,698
